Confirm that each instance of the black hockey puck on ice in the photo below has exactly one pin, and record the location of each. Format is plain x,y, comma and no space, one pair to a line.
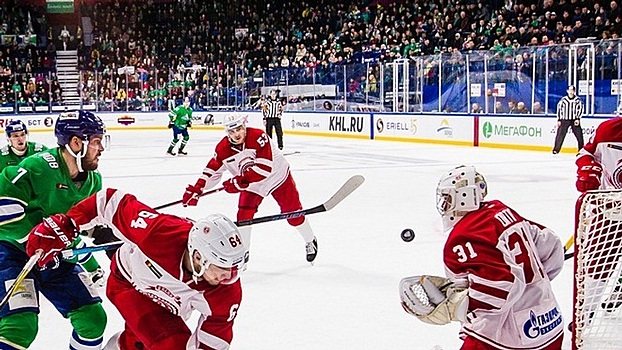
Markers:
408,235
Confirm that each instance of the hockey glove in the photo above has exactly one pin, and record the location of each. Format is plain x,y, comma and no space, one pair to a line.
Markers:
103,235
192,194
235,184
54,234
588,174
434,300
170,125
98,278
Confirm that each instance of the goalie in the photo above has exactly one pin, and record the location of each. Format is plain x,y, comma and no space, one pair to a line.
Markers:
499,268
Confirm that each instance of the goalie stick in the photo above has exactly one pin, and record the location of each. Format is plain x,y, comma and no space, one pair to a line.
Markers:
20,278
345,190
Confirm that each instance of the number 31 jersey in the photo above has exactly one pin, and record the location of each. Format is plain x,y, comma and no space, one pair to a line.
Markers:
509,262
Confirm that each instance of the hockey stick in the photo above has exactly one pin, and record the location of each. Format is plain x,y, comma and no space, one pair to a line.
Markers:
181,200
568,245
20,278
346,189
68,253
290,153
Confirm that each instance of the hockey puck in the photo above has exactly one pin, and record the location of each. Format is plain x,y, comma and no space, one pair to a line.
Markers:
407,235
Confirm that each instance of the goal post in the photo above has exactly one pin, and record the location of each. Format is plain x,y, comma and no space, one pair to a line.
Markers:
597,309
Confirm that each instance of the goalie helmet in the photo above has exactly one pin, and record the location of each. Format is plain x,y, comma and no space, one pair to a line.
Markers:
233,121
15,125
82,124
459,191
218,241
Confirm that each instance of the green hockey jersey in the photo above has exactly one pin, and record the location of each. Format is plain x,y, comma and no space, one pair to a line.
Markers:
8,156
181,116
38,187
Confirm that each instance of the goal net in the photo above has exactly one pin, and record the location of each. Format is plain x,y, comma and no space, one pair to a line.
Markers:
597,312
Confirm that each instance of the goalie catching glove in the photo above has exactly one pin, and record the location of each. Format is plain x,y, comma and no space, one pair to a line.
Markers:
434,299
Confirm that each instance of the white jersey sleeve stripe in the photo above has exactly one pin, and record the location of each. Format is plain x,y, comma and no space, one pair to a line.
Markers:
502,285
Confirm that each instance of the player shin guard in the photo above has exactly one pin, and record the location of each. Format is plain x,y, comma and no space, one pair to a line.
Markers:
18,331
88,323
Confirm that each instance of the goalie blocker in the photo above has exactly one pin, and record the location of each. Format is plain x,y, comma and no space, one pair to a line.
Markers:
435,300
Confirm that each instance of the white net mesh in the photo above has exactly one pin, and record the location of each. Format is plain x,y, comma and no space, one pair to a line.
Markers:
598,279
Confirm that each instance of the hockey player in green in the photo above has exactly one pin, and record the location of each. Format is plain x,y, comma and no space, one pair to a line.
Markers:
47,183
18,147
180,119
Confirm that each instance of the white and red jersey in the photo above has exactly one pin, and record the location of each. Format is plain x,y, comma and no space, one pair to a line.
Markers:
509,262
151,259
605,148
258,160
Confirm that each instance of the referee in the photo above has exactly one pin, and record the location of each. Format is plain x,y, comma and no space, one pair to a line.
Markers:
272,112
569,112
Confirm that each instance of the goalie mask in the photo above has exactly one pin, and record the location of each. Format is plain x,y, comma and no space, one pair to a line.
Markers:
458,192
218,241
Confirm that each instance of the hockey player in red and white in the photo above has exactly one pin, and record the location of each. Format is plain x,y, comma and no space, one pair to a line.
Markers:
167,267
258,170
599,162
499,268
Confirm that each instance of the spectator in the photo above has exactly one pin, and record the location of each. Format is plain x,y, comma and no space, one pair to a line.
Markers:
475,108
537,108
521,109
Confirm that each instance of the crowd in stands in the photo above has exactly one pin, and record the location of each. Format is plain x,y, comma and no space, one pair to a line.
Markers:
27,61
212,51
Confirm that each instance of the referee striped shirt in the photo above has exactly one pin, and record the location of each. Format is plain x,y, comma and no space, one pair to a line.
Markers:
273,109
569,108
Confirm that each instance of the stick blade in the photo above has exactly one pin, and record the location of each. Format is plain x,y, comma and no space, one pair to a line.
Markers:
346,189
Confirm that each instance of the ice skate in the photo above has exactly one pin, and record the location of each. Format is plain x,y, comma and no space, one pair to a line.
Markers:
311,248
182,153
171,152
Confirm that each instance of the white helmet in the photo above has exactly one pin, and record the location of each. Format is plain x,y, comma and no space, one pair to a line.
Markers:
232,121
217,239
458,192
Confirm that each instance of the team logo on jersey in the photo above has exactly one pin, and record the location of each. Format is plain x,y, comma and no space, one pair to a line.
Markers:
616,177
541,324
245,164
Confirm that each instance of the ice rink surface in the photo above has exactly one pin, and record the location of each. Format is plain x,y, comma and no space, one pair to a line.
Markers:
349,298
